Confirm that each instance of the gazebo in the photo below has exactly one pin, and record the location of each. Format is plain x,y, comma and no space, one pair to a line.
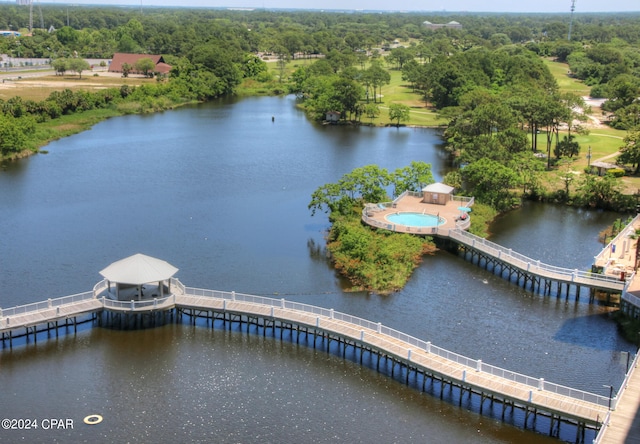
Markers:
137,274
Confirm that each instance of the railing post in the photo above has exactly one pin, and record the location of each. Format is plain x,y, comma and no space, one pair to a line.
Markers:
317,321
282,303
464,375
103,302
8,320
409,355
49,302
428,347
528,265
379,327
479,365
224,305
155,302
530,395
499,254
233,295
574,275
331,313
57,311
541,384
133,304
0,312
361,335
272,311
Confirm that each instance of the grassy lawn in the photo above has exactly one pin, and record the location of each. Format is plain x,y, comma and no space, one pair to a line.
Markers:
567,84
39,88
397,91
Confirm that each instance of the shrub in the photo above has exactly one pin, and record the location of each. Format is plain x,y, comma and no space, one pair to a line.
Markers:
615,172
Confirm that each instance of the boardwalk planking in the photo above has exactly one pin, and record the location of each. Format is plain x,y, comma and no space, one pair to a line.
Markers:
465,376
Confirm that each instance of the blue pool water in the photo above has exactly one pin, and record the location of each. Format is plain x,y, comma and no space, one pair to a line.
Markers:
415,219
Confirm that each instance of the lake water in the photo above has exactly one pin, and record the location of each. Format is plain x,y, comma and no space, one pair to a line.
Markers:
221,191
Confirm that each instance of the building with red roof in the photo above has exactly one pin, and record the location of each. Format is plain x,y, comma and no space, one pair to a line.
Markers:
120,58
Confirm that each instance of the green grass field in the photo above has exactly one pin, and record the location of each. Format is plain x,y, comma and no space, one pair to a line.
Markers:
566,83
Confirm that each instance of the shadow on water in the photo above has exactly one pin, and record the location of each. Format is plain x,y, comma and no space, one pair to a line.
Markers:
580,331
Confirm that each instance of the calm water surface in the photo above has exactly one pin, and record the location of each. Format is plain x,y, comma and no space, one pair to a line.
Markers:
221,192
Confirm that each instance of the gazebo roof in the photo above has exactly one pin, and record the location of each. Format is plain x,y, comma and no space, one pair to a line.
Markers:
138,269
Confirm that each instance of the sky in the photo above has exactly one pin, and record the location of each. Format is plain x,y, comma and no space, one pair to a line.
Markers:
563,6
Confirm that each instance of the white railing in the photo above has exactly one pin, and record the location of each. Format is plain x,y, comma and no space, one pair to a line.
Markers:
624,232
603,428
632,368
358,324
528,264
413,343
505,254
45,305
100,287
133,305
467,201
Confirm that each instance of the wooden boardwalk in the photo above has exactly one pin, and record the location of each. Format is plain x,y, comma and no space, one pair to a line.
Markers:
623,425
533,395
455,228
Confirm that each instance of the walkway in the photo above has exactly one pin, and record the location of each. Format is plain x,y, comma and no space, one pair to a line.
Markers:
531,394
624,423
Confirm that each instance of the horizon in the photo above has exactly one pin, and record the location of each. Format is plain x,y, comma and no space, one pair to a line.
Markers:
414,6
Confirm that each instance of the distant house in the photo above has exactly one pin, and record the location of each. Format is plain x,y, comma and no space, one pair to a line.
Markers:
452,24
120,58
332,116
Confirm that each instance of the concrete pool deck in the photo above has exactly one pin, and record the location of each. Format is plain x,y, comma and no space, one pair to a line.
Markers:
450,213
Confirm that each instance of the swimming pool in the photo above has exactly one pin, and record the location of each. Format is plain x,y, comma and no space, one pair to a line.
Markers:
409,219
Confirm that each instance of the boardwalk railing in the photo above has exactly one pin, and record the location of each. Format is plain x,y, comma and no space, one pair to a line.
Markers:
507,255
628,230
536,384
531,265
400,343
45,305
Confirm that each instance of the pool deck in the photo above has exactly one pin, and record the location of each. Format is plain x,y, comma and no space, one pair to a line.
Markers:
449,212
